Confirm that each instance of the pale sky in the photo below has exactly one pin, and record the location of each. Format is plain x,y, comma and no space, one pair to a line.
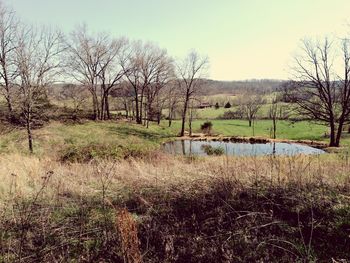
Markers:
243,39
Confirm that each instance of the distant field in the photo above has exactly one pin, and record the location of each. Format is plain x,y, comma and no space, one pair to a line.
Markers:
207,113
285,129
212,113
220,98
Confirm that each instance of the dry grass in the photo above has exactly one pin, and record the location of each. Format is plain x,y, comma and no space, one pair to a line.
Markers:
23,175
166,209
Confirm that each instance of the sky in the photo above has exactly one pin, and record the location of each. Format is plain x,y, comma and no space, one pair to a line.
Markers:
244,39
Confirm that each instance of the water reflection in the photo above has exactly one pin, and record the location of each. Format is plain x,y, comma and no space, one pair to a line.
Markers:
190,147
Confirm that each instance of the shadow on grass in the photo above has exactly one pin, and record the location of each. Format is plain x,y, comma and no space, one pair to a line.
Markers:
236,125
141,132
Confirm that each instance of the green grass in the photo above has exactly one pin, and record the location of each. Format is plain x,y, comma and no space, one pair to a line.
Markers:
212,113
91,138
285,129
123,139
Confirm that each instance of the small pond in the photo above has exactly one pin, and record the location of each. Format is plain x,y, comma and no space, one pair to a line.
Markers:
188,147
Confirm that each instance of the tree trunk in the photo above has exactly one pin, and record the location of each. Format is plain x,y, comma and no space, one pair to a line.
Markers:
339,133
159,115
274,127
108,113
133,110
9,107
332,137
29,132
96,107
182,133
8,94
170,117
141,108
137,111
148,114
250,122
126,109
102,109
145,117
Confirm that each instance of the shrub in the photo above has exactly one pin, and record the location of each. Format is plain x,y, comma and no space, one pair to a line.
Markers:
210,150
86,153
206,127
229,115
228,105
217,105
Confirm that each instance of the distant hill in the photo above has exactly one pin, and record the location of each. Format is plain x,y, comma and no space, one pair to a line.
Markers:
213,87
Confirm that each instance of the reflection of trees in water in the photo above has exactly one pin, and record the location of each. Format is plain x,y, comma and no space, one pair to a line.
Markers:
191,148
183,147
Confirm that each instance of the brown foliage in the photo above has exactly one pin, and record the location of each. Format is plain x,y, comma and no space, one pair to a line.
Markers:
128,236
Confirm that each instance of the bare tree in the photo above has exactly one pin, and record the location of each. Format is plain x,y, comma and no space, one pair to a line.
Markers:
77,95
8,30
273,115
193,105
320,92
110,72
250,105
190,72
92,61
82,62
131,67
163,74
125,98
173,99
37,61
147,69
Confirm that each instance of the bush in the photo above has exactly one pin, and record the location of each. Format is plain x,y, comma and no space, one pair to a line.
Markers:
206,127
228,105
210,150
217,105
86,153
229,115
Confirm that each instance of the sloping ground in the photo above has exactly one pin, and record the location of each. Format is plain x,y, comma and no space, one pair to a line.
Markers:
87,141
165,209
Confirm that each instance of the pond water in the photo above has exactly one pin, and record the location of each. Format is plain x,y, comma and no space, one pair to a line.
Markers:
188,147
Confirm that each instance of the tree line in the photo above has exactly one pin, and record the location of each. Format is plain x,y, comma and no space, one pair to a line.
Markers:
148,78
33,58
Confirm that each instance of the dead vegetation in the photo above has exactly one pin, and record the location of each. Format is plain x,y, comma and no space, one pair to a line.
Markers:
219,209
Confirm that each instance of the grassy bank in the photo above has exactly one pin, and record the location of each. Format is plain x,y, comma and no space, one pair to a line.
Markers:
83,142
164,209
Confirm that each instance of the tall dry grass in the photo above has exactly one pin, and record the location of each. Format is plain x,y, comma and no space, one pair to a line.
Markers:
22,176
169,209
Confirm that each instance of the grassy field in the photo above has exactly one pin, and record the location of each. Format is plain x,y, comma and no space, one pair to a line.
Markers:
212,113
285,129
121,139
127,138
